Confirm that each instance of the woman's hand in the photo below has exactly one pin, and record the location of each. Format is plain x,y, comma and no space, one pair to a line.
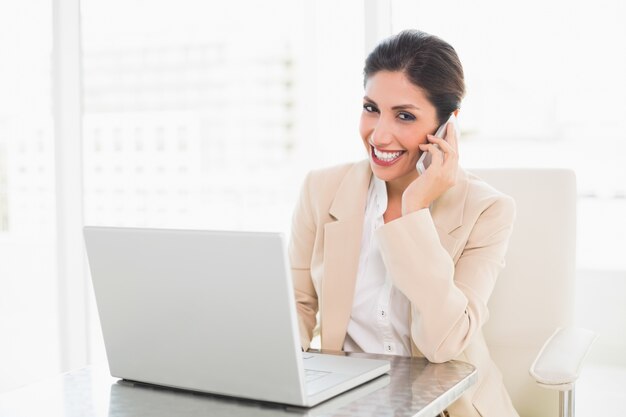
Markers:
438,177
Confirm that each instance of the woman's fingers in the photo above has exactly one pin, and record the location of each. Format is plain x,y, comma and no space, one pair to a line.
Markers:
445,147
435,153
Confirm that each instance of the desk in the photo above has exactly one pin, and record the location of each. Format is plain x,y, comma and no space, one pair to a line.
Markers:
414,387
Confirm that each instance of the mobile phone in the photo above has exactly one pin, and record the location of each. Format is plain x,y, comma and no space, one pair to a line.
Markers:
424,162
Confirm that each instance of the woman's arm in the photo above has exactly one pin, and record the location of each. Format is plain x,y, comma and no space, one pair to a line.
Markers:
449,301
300,252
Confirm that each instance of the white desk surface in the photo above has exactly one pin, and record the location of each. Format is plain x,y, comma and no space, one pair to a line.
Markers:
413,388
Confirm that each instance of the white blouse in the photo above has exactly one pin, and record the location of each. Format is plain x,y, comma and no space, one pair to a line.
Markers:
380,312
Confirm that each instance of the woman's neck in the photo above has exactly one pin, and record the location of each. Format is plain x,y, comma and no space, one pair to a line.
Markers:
395,188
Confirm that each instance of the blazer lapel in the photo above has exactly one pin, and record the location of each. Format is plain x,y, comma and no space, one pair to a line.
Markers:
342,248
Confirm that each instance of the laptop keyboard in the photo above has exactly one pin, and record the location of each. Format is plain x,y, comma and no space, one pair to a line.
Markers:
311,375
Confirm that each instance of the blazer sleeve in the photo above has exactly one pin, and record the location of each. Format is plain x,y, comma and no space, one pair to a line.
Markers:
448,300
301,244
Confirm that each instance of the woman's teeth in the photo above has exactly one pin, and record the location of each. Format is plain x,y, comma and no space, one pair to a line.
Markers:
386,156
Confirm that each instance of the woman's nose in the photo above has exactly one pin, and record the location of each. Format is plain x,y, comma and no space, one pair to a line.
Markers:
381,136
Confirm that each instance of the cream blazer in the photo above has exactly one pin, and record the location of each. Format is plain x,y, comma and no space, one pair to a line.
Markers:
445,260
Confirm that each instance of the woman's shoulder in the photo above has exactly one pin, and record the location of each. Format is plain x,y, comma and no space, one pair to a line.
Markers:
329,179
482,196
339,188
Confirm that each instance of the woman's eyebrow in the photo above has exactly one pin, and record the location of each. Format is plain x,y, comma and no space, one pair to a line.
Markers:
405,106
398,107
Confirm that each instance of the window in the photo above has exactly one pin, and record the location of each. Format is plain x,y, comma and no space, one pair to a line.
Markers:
208,114
28,284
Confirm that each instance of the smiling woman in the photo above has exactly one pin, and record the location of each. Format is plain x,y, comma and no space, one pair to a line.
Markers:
395,261
413,83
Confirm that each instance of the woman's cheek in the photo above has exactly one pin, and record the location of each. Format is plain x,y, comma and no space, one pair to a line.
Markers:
365,128
414,138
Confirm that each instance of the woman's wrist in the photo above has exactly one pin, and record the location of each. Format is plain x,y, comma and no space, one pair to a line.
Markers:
409,205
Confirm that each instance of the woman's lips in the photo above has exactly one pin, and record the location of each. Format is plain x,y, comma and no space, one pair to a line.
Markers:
385,158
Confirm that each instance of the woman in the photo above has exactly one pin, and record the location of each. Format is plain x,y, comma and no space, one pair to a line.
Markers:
397,262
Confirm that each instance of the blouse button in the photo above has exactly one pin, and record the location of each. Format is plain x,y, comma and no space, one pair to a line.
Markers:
389,347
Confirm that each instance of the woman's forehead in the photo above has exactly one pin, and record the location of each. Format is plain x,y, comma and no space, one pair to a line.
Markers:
394,88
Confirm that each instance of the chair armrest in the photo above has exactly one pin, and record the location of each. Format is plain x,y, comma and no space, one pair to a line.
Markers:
558,363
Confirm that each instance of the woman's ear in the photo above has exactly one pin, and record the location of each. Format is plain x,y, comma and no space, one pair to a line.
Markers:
456,112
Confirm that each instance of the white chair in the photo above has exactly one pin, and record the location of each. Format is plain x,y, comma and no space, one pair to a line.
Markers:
534,294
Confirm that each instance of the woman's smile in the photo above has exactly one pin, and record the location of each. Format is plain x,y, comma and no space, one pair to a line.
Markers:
385,157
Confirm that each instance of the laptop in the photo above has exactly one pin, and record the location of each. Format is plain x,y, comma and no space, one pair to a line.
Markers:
210,311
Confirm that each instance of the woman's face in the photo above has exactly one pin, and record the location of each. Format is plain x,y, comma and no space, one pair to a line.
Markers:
396,118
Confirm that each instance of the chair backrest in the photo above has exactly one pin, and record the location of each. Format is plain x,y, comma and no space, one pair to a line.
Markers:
534,294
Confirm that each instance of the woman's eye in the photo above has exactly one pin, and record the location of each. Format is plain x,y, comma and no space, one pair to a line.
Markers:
406,116
369,108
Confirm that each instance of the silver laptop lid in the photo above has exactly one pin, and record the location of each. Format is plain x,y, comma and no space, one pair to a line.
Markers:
204,310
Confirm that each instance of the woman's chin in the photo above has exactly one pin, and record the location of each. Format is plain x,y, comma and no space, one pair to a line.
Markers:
385,173
392,173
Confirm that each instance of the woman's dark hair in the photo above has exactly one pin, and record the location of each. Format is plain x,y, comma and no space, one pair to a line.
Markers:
429,62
